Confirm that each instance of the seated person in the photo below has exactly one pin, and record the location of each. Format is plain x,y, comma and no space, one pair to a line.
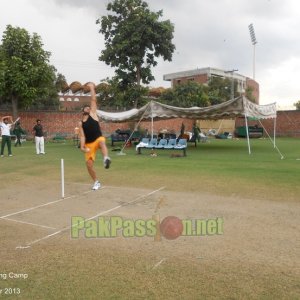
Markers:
203,137
141,144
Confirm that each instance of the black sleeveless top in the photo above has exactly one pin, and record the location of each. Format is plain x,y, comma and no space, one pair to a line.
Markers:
91,129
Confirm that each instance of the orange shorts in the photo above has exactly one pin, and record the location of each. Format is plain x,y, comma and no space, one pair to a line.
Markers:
94,146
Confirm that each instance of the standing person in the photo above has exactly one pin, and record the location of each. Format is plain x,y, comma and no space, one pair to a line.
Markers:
91,138
5,132
76,137
196,132
182,130
18,131
39,137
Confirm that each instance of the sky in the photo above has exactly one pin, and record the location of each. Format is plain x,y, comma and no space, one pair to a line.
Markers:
208,33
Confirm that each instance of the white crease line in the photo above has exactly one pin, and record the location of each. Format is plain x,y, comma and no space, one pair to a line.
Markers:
158,264
28,223
35,207
116,187
87,184
78,183
42,205
97,215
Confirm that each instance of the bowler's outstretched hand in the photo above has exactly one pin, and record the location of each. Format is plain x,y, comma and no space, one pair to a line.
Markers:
85,149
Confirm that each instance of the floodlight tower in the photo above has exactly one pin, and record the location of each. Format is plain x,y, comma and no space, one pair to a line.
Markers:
254,42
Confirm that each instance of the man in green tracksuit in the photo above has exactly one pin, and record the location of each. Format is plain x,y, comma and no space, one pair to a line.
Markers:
18,131
5,127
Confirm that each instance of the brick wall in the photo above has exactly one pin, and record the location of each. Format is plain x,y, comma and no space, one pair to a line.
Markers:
202,78
288,123
65,122
53,122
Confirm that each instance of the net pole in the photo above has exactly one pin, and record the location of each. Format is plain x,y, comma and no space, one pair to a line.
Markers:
274,133
62,172
247,132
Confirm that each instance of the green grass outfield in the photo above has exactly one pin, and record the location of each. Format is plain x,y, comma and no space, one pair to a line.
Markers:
249,266
220,166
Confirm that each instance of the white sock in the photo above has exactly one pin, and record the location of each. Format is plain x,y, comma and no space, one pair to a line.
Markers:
106,157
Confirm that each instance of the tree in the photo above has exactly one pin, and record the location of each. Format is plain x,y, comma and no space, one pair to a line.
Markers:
156,92
60,82
114,95
186,95
249,94
134,38
49,98
220,90
297,105
25,72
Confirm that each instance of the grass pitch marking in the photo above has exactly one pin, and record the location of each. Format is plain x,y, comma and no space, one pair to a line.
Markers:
93,217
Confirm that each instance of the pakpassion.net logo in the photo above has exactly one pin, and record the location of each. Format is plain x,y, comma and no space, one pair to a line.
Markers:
170,227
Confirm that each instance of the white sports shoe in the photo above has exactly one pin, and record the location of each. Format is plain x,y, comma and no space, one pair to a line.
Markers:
96,186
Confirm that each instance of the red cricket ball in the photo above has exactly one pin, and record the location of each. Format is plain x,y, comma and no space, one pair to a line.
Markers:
171,227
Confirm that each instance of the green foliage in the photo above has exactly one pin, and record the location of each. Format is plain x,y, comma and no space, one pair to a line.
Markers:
192,93
220,90
297,105
60,82
134,39
26,75
249,94
115,95
186,95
